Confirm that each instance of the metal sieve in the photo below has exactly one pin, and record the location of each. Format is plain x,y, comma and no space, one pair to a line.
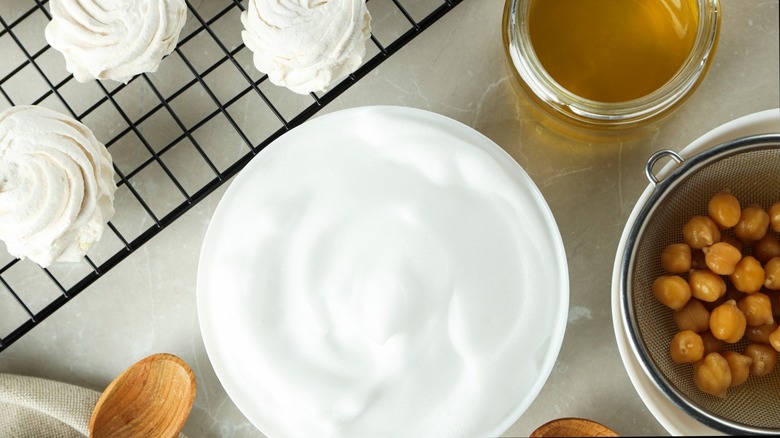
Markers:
750,168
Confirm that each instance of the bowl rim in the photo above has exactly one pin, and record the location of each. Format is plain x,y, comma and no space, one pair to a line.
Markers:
637,227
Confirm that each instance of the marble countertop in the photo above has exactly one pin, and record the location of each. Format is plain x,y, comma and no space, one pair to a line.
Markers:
147,303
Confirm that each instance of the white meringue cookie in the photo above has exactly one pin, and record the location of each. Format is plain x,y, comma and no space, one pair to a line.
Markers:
114,39
56,185
306,45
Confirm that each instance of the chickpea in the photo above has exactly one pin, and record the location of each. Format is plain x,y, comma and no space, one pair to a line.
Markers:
712,374
748,275
727,322
757,309
766,247
711,343
760,333
700,231
686,347
764,358
724,209
676,258
706,285
752,225
721,258
693,316
772,274
739,364
774,216
774,339
672,291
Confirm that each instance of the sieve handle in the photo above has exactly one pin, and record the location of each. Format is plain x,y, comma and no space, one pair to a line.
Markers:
654,159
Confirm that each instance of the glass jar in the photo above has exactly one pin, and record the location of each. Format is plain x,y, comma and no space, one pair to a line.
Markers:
590,118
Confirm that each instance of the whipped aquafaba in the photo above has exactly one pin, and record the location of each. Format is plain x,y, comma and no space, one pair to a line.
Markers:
114,39
306,46
382,273
56,185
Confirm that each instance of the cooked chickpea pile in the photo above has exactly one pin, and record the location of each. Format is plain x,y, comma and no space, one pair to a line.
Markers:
723,284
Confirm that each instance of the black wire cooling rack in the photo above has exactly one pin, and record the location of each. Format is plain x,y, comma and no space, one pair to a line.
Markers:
174,135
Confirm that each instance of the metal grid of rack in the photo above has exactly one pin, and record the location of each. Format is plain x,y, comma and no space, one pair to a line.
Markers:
175,135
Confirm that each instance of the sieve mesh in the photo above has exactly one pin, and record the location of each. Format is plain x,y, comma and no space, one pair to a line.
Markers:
751,171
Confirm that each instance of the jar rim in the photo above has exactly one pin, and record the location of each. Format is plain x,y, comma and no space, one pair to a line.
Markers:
529,69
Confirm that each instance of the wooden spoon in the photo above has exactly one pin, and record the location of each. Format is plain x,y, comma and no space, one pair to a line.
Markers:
565,427
152,398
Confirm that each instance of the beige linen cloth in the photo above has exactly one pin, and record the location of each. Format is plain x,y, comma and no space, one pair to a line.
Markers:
35,407
39,408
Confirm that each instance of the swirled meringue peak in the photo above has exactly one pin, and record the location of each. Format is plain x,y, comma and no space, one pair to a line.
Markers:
114,39
56,185
306,45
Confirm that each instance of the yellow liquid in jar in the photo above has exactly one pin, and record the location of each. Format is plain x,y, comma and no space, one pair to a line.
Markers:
612,50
